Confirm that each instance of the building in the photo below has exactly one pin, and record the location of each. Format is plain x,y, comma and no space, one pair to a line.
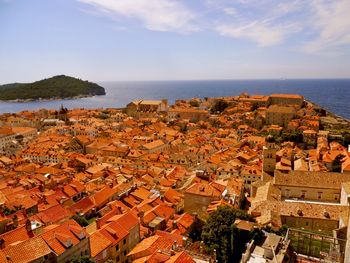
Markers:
10,134
274,249
280,115
198,196
155,146
313,186
256,100
188,113
269,155
67,241
140,108
33,250
287,99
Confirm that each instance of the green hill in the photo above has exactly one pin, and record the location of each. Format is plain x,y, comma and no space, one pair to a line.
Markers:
57,87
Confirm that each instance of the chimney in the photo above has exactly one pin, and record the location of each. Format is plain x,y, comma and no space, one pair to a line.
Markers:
141,215
174,224
2,243
15,221
174,247
41,188
28,226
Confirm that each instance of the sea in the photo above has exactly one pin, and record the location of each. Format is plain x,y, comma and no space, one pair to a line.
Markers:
331,94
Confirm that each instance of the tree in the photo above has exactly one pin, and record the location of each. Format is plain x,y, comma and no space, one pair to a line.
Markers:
80,220
219,106
194,103
196,230
221,234
346,139
83,259
336,164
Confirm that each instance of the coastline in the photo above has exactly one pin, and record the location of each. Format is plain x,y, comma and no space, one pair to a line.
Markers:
329,113
49,99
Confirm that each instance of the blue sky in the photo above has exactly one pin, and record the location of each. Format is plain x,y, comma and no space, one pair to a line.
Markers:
106,40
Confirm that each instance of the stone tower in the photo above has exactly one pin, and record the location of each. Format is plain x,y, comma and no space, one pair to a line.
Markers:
269,155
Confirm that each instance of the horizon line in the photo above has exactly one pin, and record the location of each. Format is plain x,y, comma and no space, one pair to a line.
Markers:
175,80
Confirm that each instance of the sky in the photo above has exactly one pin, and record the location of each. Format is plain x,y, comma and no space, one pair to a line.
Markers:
111,40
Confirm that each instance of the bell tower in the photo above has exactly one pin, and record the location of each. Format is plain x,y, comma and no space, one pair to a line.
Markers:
269,155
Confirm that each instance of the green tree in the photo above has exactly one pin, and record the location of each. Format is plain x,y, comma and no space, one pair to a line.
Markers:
219,106
82,221
55,87
221,234
196,230
346,139
337,162
194,103
83,259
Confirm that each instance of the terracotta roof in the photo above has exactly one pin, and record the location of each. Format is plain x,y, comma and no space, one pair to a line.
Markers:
203,189
103,196
173,196
114,232
53,214
287,96
128,220
69,191
82,206
62,237
305,210
98,243
245,225
18,234
27,251
311,179
154,144
280,109
181,257
160,241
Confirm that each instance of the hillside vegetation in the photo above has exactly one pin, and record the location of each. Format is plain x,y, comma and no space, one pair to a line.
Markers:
57,87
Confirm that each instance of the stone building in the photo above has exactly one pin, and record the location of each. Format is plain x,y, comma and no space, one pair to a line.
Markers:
287,99
269,155
198,196
280,115
190,114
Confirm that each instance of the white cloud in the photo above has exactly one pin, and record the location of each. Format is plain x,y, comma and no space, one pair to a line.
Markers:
258,32
157,15
331,21
263,22
230,11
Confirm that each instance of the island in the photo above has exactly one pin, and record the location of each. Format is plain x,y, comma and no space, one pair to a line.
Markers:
57,87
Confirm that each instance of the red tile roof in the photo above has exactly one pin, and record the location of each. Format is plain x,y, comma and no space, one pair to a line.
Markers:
54,214
203,189
114,232
18,234
27,251
82,206
68,234
98,243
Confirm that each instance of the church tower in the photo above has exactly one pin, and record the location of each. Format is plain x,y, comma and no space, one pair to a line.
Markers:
269,155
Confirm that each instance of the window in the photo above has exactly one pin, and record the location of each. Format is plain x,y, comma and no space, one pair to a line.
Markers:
286,193
125,253
117,248
124,241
